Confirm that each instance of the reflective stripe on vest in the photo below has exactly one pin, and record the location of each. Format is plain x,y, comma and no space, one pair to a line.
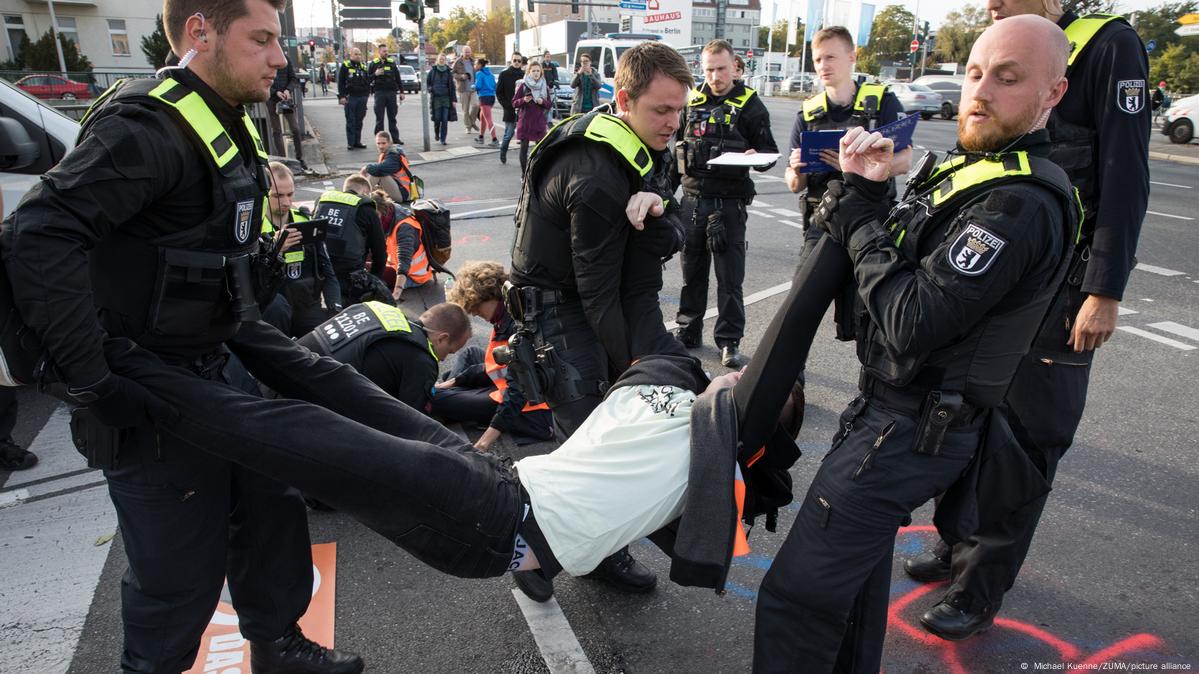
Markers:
338,197
697,97
499,375
1082,30
818,106
613,132
191,106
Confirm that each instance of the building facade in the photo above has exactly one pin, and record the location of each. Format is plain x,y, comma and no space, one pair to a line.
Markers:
107,32
740,22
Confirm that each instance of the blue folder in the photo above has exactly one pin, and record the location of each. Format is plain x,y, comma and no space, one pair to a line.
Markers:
812,142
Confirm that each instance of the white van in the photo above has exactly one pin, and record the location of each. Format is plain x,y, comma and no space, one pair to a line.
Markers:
605,52
33,138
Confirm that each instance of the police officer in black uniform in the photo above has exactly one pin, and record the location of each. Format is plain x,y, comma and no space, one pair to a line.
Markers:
955,282
353,90
143,232
1100,134
400,355
384,74
585,282
353,232
723,115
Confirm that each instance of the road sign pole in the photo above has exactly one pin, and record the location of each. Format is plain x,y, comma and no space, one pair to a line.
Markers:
422,83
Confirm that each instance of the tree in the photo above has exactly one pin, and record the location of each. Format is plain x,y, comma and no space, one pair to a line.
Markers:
42,56
1177,67
493,30
1158,25
778,33
1083,7
958,33
155,45
890,35
459,26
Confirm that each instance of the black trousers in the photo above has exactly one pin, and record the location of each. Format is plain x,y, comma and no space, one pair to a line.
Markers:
565,326
1046,403
277,131
8,412
355,113
730,270
476,405
188,520
386,105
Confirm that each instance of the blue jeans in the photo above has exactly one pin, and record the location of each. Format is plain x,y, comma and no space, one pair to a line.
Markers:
355,113
509,132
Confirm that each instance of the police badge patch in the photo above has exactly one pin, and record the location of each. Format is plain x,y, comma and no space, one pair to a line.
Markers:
294,271
241,220
975,249
1130,96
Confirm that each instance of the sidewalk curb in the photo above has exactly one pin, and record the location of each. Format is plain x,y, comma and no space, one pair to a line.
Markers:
1177,158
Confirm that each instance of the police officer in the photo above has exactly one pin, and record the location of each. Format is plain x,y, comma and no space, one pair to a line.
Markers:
956,281
353,232
723,115
586,282
173,176
1100,135
384,74
308,275
353,89
399,355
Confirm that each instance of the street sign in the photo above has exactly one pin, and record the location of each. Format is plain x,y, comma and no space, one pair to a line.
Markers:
915,45
749,53
1189,29
1151,45
1188,19
638,6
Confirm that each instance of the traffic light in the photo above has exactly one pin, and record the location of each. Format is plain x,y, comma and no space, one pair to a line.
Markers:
413,10
433,5
531,8
574,6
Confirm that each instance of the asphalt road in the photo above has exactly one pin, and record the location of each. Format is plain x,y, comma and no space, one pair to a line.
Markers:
1112,575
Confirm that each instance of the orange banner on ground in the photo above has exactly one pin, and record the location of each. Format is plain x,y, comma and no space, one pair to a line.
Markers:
224,651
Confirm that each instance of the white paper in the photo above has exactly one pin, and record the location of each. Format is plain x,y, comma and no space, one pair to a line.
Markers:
742,159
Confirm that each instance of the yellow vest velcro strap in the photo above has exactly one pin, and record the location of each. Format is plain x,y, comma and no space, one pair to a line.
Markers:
866,91
815,106
391,318
203,121
981,172
616,134
696,97
1081,31
293,256
341,198
740,101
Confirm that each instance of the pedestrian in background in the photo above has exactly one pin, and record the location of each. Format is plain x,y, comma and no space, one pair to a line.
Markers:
353,88
532,97
485,90
282,103
505,89
441,90
587,84
464,79
549,70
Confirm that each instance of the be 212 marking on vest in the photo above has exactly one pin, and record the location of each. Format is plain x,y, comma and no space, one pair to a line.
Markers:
974,251
242,219
1130,96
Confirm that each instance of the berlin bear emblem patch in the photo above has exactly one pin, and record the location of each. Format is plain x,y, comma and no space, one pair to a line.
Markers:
1130,96
242,218
974,251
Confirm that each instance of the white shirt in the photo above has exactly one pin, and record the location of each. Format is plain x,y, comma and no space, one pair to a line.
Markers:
621,476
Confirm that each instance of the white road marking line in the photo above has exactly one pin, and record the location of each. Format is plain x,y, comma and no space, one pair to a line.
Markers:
555,639
761,204
760,214
787,213
766,178
1181,187
14,497
1167,215
791,224
1161,271
752,298
1125,311
1157,338
455,216
1177,329
318,190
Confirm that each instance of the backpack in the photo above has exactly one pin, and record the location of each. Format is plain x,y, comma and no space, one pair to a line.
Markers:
436,233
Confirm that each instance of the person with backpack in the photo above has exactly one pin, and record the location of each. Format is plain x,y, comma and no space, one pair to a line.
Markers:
532,99
392,173
407,260
443,96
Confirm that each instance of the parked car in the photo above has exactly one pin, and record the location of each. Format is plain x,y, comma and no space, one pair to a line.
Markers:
33,138
950,88
409,82
54,86
1181,120
917,98
758,82
798,83
564,95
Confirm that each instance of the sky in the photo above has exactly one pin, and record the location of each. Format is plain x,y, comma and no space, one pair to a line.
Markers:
318,12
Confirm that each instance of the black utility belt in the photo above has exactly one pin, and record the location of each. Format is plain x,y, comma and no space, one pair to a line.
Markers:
549,296
947,407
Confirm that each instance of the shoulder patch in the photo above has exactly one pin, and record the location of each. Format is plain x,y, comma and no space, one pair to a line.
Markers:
974,251
1130,96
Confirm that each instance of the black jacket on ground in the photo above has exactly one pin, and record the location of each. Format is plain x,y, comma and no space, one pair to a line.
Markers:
505,91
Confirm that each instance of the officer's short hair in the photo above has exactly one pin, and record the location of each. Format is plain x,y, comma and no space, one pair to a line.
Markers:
280,169
476,283
833,32
449,318
716,46
218,14
356,183
639,65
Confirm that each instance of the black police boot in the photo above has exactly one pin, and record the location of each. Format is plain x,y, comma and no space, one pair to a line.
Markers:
956,618
929,566
293,653
624,573
687,338
534,584
15,457
731,358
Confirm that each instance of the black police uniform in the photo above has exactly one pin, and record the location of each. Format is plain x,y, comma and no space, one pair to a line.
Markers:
714,202
353,232
172,179
955,286
308,278
384,346
385,82
354,85
1100,135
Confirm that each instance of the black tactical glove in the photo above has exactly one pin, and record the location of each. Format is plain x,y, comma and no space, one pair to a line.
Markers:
857,204
120,402
827,207
663,235
718,241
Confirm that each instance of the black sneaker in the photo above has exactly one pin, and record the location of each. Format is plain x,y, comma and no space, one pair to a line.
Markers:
535,585
15,457
294,653
956,618
624,573
687,338
733,359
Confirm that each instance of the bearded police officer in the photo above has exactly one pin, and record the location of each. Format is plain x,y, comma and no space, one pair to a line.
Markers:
1100,134
353,90
723,115
955,282
585,280
143,232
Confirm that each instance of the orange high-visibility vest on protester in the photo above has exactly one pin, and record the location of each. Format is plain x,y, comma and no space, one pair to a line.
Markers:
403,177
418,270
499,375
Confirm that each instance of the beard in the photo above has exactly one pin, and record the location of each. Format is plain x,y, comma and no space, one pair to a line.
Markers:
995,133
233,86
